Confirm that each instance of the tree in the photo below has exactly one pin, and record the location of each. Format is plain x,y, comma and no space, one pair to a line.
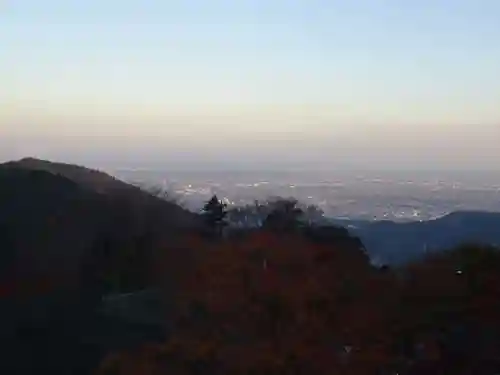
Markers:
313,214
214,213
285,215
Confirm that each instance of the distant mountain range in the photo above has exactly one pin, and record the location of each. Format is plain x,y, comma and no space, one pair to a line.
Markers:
394,243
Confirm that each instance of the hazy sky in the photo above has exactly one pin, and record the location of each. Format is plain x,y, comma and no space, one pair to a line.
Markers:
371,83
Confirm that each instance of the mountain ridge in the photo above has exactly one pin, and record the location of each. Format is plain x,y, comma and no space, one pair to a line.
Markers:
52,215
398,243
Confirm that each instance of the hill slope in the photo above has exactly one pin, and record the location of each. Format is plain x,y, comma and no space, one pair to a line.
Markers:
45,218
52,214
395,243
99,182
61,228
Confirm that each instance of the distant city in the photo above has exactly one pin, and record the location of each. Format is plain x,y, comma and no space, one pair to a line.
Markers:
396,196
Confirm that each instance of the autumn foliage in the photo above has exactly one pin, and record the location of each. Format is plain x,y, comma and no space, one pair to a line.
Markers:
281,304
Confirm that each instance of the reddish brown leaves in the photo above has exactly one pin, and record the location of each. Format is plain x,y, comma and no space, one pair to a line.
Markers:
282,305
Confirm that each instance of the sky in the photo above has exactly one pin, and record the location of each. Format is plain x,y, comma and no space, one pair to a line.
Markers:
240,83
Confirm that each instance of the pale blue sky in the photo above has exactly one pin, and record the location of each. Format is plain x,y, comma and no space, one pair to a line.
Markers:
358,82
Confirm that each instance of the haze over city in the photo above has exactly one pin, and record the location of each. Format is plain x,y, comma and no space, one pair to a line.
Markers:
252,84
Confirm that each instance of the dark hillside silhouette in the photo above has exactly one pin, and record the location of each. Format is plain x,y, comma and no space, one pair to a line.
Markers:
100,182
85,177
64,243
41,215
50,220
48,224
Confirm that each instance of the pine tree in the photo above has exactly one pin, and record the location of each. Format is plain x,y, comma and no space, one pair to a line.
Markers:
214,213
